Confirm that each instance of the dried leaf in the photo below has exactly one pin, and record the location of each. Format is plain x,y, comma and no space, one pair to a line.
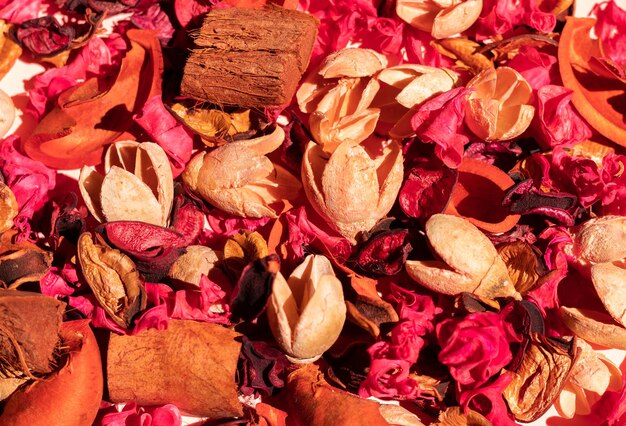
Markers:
113,278
539,378
465,52
8,208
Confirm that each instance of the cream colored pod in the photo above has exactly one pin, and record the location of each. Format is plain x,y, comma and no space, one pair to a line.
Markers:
137,184
306,312
7,113
441,18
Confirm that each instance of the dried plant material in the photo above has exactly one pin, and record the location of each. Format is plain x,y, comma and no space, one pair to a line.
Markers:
239,179
507,49
600,240
307,312
592,376
8,386
499,106
440,18
29,333
524,264
313,401
454,416
608,280
396,415
273,46
68,397
9,49
352,62
602,109
193,264
356,186
113,278
137,184
539,378
466,53
190,364
595,151
86,117
21,263
254,287
242,248
7,113
469,261
8,208
595,327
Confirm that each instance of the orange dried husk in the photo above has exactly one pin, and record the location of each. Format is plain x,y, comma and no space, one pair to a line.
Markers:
355,186
499,107
441,18
600,100
8,208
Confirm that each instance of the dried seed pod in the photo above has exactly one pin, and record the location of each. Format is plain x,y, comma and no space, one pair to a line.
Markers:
469,261
599,240
608,280
113,278
356,186
595,327
499,106
7,113
307,312
239,179
191,265
352,62
539,378
8,208
137,185
242,248
22,262
524,263
441,19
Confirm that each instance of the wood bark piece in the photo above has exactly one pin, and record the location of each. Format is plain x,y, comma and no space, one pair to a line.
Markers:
249,57
190,364
29,333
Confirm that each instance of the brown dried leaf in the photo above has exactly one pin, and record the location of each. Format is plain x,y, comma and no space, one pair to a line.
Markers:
191,265
524,264
8,386
454,416
9,49
595,327
113,278
508,48
539,378
465,52
243,248
8,208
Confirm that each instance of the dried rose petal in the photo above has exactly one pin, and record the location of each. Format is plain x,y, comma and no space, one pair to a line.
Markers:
385,252
44,36
254,288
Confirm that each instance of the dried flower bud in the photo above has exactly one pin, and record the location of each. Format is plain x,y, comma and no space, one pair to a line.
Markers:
440,18
599,240
113,279
8,208
469,261
307,312
191,265
239,179
499,106
339,97
7,113
137,185
356,186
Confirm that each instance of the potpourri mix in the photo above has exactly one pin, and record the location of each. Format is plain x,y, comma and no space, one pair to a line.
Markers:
329,212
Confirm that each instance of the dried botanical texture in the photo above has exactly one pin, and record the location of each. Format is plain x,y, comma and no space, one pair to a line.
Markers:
86,117
8,386
403,87
239,179
595,327
592,376
339,97
465,52
249,57
524,264
254,288
7,113
8,208
68,397
307,312
600,240
499,107
9,49
313,401
355,186
385,252
469,261
608,280
29,333
21,263
137,184
396,415
113,278
193,264
539,378
190,364
454,416
440,18
242,248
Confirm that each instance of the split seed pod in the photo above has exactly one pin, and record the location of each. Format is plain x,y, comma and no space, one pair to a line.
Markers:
307,312
113,278
191,265
239,179
499,106
138,184
7,113
469,261
8,208
600,240
440,18
338,97
354,187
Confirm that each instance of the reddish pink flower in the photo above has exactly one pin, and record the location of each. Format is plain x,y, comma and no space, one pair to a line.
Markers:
610,24
538,68
154,18
500,16
18,11
389,378
556,123
488,401
134,415
476,347
189,10
383,35
580,173
420,51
